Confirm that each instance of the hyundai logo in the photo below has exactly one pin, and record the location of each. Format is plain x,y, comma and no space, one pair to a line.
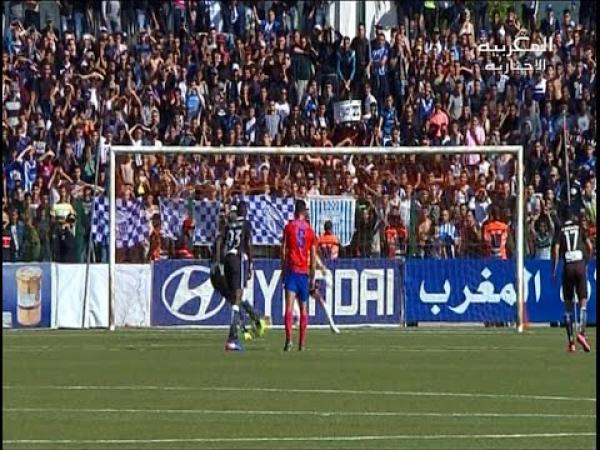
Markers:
188,294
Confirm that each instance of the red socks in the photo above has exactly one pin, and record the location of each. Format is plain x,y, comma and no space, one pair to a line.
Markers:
289,321
303,325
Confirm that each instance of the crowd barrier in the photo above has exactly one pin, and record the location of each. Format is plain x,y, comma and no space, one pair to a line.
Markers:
359,292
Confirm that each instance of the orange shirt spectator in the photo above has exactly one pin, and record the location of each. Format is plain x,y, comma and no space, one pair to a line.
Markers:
495,236
395,237
328,243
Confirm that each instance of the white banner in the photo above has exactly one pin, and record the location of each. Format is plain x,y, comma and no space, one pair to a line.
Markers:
133,286
69,292
132,295
339,209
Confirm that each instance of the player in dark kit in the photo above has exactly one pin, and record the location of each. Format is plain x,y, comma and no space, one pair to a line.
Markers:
574,248
236,244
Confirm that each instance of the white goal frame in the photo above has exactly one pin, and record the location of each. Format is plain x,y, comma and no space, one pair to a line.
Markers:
516,150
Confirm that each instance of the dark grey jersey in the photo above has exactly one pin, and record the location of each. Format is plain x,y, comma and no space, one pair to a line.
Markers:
572,243
237,234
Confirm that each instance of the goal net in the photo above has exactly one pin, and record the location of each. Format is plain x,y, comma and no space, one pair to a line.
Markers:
406,234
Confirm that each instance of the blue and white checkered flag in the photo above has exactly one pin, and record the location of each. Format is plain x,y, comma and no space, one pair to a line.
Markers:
172,215
268,216
206,218
100,222
132,227
131,224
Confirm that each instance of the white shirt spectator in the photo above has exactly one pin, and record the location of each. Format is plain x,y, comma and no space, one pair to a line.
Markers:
314,190
216,18
250,130
501,83
104,150
503,165
405,211
484,167
283,109
480,209
367,103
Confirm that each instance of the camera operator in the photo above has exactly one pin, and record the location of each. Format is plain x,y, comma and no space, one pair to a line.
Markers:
66,241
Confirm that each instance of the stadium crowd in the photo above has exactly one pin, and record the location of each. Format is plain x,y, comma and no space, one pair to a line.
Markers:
79,76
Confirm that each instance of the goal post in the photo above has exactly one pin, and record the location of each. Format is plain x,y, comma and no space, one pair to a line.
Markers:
516,150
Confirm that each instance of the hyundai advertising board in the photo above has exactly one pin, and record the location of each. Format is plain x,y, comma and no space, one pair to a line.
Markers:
358,292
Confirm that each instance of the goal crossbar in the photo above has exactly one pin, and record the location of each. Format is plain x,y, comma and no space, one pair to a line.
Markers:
516,150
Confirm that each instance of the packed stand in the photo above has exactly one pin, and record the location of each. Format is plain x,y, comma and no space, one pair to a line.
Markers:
80,76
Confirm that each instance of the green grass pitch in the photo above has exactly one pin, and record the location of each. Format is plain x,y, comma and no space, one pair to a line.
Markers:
363,389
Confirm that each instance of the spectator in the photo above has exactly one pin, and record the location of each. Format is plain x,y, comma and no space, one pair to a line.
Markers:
588,200
31,248
541,235
480,204
471,237
303,56
424,234
496,235
466,26
550,24
395,237
329,244
448,235
362,239
67,252
111,15
62,208
379,57
183,246
362,50
346,68
15,229
438,120
387,119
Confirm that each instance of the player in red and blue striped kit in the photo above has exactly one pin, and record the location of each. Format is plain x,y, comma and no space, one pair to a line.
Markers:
298,265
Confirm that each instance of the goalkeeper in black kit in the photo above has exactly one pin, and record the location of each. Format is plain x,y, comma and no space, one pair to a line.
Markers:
231,271
574,249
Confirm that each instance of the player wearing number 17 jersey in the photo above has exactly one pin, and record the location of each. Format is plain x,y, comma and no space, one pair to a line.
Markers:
298,264
574,248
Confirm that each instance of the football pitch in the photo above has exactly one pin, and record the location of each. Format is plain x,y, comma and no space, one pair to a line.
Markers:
419,388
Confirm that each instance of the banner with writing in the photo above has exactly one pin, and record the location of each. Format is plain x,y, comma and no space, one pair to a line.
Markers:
480,290
357,292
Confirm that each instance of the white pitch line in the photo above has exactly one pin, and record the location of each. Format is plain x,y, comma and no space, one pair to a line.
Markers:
300,438
301,413
298,391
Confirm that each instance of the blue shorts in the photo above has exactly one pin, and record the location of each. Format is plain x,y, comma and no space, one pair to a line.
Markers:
298,284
